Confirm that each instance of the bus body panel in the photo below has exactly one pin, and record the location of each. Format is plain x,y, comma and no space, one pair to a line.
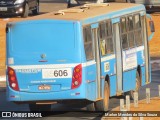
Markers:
30,82
31,67
113,85
37,96
108,68
91,82
32,58
130,76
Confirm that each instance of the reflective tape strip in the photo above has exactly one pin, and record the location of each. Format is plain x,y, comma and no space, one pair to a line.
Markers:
52,66
107,58
140,48
89,63
43,66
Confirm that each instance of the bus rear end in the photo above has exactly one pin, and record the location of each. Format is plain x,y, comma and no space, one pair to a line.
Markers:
44,61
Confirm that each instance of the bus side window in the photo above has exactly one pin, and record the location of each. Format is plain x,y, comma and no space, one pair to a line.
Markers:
130,32
102,35
123,30
109,41
88,44
106,41
138,30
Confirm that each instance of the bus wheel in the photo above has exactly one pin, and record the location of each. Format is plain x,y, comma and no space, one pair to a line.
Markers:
138,84
103,105
90,107
36,107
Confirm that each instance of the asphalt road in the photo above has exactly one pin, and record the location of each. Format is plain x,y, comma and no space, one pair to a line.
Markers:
52,5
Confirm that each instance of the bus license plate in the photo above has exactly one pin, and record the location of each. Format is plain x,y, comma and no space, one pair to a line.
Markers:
3,8
44,87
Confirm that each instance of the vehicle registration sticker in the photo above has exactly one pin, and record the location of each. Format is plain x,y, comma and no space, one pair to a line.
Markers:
44,87
3,8
57,73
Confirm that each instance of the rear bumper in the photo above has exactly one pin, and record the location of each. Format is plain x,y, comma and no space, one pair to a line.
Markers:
12,10
16,96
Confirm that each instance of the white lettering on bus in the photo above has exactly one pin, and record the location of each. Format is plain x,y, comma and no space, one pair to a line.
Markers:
28,70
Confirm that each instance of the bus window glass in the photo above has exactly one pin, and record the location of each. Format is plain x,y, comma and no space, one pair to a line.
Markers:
130,23
131,32
88,43
137,23
102,33
123,30
109,38
110,46
102,30
138,30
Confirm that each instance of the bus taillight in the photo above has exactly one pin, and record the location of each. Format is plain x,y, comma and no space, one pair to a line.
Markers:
12,79
77,76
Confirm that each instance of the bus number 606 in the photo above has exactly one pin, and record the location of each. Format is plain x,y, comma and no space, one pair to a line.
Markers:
60,73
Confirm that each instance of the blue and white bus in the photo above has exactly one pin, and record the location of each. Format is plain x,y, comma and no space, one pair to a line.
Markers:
87,53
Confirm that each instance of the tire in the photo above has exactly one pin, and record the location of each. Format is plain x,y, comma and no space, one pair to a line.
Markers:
138,84
35,107
26,11
103,105
90,107
36,10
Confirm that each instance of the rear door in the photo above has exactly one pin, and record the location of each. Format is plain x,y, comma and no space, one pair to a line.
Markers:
119,64
97,59
93,74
